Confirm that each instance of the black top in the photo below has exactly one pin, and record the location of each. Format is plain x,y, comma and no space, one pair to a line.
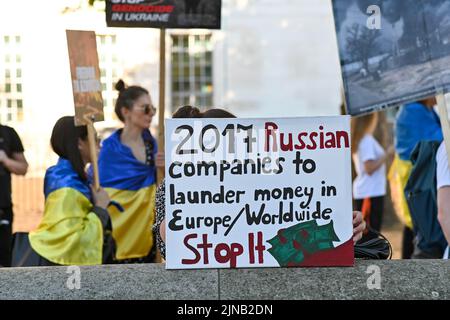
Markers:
10,143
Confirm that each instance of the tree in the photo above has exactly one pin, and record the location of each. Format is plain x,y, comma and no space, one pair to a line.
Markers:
361,43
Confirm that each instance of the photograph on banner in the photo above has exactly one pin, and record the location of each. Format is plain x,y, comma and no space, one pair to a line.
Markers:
85,73
258,193
184,14
392,51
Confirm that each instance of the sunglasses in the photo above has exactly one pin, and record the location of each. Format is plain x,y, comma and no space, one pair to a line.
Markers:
147,109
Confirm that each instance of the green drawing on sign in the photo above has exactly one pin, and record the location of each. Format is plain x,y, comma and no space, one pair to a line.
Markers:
292,245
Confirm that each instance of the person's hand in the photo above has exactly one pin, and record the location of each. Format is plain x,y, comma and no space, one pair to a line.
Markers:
390,151
3,156
359,225
160,160
101,198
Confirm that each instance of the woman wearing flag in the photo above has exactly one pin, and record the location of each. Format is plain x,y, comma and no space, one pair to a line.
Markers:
75,228
128,174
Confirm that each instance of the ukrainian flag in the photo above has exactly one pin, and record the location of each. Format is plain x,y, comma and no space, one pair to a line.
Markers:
69,233
132,184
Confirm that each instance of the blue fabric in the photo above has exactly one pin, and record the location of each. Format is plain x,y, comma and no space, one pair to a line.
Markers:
415,123
119,168
62,175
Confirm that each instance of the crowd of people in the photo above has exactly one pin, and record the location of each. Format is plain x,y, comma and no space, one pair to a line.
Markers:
123,221
414,187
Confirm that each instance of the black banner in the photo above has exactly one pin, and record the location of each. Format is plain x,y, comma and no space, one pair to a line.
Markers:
174,14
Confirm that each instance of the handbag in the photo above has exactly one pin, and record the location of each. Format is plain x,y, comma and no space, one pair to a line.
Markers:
374,249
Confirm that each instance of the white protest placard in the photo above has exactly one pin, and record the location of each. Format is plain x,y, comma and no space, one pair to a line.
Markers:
258,193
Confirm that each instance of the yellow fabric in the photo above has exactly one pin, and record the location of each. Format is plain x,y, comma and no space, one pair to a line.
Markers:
132,229
398,177
69,233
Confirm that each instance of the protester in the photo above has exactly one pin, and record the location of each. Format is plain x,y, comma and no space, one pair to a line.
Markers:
75,228
12,160
369,187
443,185
415,122
127,165
160,227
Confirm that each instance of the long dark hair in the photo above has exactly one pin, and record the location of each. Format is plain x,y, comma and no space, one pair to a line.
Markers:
64,142
359,127
193,112
127,97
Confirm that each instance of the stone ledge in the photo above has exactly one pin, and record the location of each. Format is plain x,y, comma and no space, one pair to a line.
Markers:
400,279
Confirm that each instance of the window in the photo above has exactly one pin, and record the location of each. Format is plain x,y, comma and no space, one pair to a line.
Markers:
19,73
19,87
17,39
18,58
9,103
192,71
6,39
103,72
8,87
19,110
7,73
7,58
103,86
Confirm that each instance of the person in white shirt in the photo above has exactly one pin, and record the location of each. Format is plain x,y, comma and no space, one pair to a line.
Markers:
443,185
369,157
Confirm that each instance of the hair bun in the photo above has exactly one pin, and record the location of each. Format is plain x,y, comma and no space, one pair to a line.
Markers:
120,85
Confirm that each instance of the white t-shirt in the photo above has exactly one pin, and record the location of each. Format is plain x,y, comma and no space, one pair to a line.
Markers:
365,185
443,175
442,172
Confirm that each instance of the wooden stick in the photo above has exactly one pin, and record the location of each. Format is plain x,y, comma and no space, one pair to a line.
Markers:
443,114
93,149
162,97
161,110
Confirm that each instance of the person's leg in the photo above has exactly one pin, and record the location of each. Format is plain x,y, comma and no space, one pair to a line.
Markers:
6,221
358,204
407,243
376,213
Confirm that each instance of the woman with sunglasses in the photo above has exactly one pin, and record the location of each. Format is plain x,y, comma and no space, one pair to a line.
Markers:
128,173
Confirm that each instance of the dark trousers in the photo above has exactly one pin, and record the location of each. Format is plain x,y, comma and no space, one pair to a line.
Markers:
6,223
372,210
407,243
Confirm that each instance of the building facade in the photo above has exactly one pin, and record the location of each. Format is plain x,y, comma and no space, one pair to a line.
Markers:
271,58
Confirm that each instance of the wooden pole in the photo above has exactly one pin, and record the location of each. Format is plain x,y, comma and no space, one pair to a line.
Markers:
162,97
92,139
443,114
161,110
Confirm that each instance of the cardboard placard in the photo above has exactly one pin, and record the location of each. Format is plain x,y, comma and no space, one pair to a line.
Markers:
392,52
85,72
258,193
185,14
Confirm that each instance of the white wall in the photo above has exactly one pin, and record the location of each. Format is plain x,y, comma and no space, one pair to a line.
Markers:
279,58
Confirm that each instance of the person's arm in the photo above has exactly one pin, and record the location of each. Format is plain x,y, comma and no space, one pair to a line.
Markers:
444,210
371,166
17,164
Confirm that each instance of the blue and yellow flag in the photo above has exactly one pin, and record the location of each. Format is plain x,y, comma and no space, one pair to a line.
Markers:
132,184
69,233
